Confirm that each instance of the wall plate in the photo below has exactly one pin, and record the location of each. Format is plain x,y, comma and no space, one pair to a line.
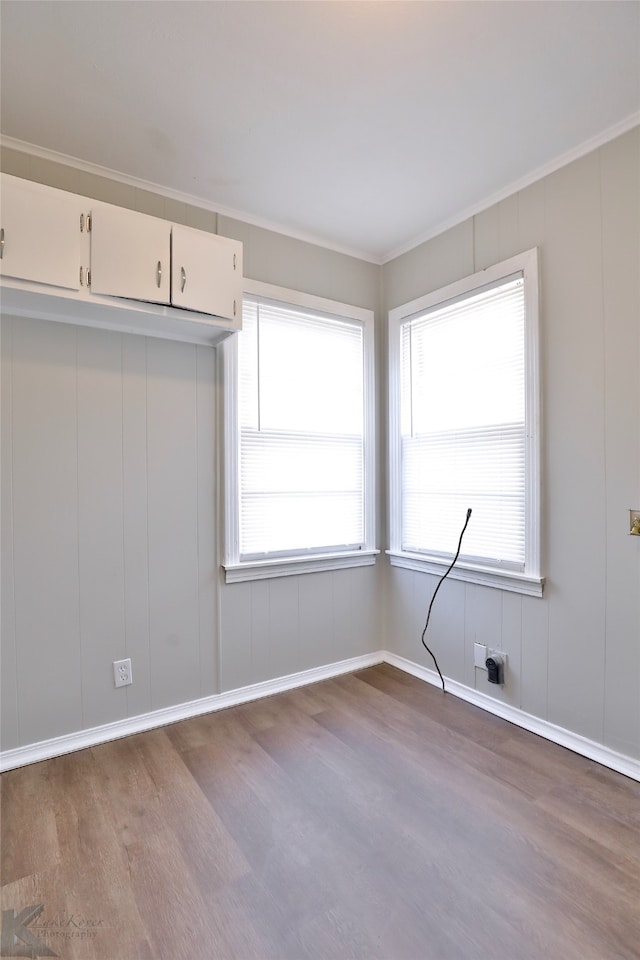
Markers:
480,654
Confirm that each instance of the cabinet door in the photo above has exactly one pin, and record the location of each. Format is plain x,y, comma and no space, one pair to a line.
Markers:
206,272
40,228
130,254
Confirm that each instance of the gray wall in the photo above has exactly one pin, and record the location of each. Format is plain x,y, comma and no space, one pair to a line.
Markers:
110,510
110,529
108,547
574,655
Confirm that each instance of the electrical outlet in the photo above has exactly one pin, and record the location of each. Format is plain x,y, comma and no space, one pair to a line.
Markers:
122,673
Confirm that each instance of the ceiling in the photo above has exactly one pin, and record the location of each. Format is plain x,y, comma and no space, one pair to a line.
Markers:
365,126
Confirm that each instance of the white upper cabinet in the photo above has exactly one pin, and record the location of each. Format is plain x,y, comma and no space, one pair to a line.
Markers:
130,254
40,237
206,272
68,258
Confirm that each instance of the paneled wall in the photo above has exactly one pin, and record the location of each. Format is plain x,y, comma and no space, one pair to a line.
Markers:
108,533
110,502
574,655
274,627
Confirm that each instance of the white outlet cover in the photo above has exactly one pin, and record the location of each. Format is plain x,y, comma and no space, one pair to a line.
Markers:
122,675
480,655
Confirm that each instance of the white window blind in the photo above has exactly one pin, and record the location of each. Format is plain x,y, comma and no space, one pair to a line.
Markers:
301,462
462,427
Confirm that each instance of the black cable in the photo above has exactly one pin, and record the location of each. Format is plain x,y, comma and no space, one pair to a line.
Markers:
440,582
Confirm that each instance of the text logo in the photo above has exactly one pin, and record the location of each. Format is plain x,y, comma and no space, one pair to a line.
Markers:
17,940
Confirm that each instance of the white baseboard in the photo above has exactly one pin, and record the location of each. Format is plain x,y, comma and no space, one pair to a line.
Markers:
573,741
45,749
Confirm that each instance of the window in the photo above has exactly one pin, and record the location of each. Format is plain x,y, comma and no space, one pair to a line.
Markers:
298,436
464,428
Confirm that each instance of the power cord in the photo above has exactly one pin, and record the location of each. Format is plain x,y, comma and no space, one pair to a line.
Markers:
440,582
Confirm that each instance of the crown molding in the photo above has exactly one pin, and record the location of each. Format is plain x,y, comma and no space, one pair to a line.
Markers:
588,146
85,166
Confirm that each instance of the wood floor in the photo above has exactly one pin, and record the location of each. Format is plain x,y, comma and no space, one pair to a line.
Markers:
369,816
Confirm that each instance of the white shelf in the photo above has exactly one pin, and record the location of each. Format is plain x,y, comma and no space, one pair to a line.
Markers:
25,299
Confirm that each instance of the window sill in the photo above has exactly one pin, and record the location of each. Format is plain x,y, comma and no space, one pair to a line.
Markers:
292,566
502,580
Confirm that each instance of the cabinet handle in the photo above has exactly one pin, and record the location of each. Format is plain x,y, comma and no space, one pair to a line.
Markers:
1,243
235,260
183,279
82,276
159,273
234,308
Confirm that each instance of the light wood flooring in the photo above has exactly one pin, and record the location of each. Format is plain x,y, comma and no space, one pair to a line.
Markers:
368,816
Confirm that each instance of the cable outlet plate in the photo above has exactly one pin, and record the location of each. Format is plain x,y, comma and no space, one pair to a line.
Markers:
122,673
481,652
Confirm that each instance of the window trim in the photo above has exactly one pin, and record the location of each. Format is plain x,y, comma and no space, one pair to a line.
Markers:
237,570
530,581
